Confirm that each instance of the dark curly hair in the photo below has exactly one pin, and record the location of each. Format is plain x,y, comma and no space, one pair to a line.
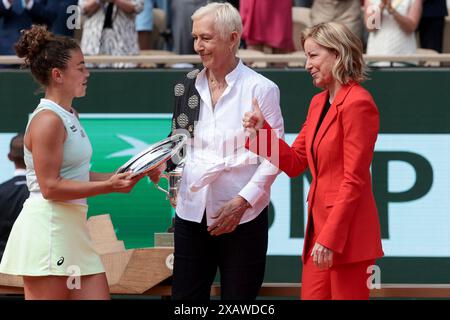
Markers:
43,51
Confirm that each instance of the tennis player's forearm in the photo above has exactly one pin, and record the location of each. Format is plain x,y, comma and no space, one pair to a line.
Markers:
63,189
99,176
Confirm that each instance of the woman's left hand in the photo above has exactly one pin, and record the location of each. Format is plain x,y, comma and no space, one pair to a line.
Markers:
322,256
229,216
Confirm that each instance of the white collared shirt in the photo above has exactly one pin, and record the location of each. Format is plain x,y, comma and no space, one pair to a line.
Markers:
19,172
218,167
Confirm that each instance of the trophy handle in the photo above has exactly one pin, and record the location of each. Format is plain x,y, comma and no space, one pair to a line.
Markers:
163,175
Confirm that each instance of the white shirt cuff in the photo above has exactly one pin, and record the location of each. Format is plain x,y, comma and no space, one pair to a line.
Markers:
251,193
7,4
29,5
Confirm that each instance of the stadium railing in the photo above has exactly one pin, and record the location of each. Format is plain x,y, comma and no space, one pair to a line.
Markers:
296,57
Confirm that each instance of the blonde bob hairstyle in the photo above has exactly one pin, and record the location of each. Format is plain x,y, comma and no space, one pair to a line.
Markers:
345,44
227,19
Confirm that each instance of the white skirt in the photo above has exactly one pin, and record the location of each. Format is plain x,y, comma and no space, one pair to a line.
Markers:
50,238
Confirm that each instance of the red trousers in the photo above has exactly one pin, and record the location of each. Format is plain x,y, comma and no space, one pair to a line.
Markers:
342,282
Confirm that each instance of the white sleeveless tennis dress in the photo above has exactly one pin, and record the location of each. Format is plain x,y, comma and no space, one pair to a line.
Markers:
51,237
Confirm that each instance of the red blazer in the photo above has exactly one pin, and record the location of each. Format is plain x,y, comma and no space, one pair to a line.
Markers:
342,213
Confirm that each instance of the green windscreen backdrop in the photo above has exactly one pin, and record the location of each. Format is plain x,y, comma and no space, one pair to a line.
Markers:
125,110
136,216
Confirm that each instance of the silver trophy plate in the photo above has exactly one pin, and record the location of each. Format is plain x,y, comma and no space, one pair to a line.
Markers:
155,155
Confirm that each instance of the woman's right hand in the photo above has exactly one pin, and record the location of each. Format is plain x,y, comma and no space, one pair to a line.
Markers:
385,4
254,120
121,182
90,7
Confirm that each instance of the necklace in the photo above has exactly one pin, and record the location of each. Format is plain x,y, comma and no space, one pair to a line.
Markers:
216,84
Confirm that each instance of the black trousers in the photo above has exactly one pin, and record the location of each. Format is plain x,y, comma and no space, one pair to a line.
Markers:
431,33
240,257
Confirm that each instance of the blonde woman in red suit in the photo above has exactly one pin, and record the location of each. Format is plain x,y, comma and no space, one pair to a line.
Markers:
336,143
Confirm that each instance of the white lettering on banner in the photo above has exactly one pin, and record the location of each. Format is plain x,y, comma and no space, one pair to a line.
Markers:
417,228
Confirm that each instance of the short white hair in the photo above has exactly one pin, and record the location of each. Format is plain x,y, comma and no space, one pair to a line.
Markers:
227,18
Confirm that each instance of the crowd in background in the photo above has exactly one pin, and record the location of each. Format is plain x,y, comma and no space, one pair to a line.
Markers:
131,27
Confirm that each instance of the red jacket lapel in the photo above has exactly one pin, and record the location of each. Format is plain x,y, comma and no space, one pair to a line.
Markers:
316,108
331,114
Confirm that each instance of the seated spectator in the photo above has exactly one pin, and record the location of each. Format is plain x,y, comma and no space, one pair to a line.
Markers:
151,31
432,23
395,34
109,29
267,25
181,12
347,12
13,192
18,15
144,25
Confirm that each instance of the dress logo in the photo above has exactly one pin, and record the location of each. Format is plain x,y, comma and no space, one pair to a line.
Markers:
60,261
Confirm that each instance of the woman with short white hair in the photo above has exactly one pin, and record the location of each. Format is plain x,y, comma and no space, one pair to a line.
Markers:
221,217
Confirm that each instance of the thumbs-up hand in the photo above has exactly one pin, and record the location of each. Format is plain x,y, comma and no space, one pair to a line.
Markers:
254,120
